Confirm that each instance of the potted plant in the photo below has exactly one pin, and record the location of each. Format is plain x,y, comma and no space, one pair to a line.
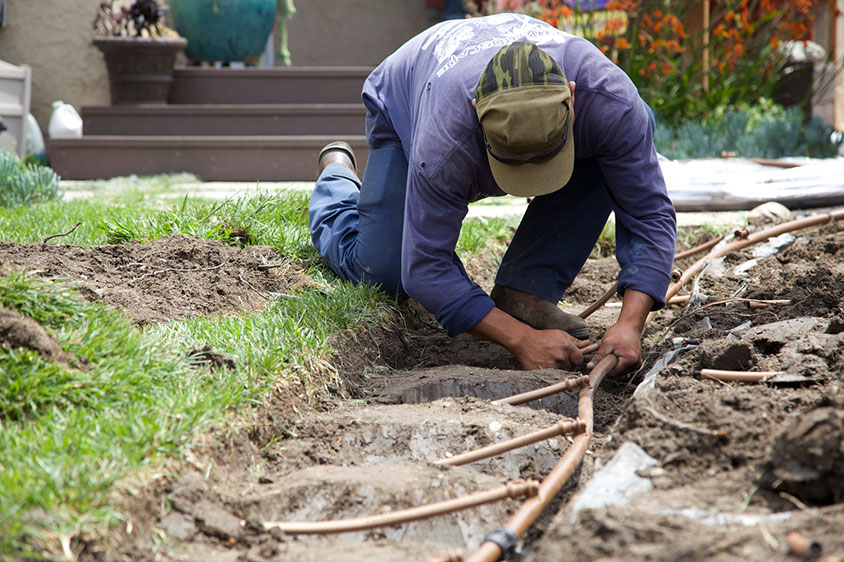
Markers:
224,30
139,50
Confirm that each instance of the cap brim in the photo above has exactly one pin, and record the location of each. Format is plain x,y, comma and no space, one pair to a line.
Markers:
531,180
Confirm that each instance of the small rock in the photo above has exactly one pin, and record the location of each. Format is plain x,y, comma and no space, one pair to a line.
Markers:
178,526
215,521
768,213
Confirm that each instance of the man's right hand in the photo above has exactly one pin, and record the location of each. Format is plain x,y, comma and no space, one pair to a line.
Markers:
544,349
535,349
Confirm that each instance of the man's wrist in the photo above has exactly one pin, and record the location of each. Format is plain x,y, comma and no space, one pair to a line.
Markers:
634,310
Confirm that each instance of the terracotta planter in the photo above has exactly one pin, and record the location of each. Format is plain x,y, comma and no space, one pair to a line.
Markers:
140,69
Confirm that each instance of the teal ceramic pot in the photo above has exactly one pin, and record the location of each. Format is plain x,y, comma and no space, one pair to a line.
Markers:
223,30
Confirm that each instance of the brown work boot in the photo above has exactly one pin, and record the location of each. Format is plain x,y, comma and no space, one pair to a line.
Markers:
537,312
337,151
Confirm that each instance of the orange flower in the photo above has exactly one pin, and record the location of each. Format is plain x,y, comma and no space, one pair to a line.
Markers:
622,43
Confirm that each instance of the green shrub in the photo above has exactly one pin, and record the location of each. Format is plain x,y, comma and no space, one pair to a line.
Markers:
24,184
762,130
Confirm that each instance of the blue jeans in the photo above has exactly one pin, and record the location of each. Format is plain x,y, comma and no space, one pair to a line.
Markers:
357,226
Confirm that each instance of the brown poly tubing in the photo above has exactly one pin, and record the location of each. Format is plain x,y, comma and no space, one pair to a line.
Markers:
551,485
591,348
738,376
531,509
801,546
678,300
751,239
515,489
563,427
697,249
570,383
600,302
612,290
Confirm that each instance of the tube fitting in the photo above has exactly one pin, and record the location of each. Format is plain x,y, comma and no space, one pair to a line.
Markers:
506,541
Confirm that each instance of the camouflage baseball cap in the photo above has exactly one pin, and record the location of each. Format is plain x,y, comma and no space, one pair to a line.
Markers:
524,106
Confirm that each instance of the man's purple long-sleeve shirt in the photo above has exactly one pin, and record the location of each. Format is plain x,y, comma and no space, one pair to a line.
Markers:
420,98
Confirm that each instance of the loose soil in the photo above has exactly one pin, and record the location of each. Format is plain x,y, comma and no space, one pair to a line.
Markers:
736,466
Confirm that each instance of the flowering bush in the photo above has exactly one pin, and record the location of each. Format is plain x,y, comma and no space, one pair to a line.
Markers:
684,73
140,18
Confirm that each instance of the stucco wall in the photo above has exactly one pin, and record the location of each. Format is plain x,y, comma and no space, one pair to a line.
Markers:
54,38
352,32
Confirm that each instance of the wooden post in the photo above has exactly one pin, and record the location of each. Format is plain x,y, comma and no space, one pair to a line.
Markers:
836,44
706,17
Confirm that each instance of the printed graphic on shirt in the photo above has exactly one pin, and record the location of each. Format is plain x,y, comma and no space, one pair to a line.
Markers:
457,39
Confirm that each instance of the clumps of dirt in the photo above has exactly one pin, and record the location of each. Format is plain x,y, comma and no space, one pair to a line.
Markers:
165,279
727,355
19,332
809,274
807,458
207,356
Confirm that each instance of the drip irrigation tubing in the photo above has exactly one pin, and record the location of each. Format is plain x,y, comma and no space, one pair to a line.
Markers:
566,426
752,238
515,489
530,510
698,249
570,383
491,551
541,494
738,376
602,300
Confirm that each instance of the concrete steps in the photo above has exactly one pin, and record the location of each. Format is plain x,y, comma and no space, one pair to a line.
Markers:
210,157
225,119
316,84
252,124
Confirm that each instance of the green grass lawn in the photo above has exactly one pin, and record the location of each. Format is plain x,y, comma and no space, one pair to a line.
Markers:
68,436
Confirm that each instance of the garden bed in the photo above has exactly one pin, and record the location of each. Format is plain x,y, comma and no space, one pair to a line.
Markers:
726,454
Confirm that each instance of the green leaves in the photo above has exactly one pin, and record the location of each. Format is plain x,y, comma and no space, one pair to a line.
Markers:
762,130
25,184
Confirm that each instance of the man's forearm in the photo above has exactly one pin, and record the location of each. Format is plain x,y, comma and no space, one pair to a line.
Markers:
501,328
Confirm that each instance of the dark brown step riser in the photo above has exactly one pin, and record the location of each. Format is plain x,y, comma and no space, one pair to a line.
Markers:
210,158
347,119
267,85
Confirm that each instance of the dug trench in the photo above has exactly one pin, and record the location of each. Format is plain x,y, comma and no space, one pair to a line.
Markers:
726,470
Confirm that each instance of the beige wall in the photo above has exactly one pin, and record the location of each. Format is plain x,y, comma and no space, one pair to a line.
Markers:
54,38
352,32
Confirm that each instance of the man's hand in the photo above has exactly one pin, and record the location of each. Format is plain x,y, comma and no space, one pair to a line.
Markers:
550,349
535,349
623,339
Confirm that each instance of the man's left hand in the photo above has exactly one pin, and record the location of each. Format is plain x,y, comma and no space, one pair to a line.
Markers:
623,339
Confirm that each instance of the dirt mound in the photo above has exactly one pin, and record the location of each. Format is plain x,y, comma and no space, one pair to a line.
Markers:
171,278
20,332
